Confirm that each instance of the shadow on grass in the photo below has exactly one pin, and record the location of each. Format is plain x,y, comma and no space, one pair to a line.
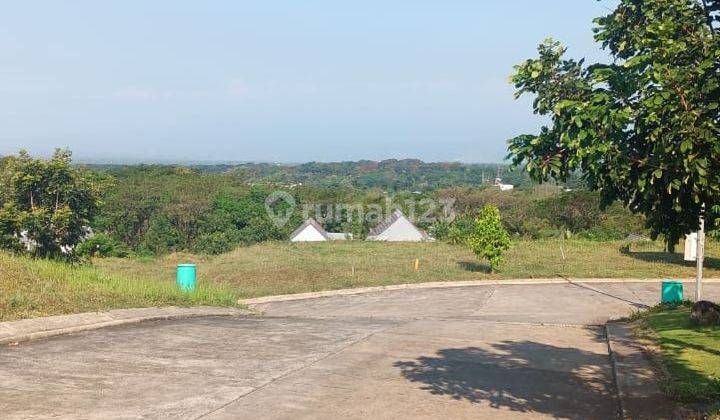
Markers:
683,344
691,364
667,258
520,376
474,267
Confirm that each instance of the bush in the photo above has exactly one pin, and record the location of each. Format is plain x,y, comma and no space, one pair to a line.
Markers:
440,230
101,245
537,228
213,243
461,229
489,239
162,236
576,210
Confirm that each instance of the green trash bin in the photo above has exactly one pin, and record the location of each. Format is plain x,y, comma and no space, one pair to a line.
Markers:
672,291
186,278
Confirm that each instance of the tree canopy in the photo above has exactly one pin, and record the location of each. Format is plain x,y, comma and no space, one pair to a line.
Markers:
48,203
642,129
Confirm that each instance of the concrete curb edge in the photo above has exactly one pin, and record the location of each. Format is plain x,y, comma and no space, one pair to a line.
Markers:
620,395
445,285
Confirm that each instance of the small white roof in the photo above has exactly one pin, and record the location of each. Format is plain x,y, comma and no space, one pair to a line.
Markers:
312,231
397,228
309,231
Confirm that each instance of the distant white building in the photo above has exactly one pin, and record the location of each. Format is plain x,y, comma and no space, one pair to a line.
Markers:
30,244
339,236
312,231
26,242
397,228
503,187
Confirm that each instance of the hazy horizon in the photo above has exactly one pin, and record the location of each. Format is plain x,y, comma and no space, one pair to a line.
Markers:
239,81
186,162
231,162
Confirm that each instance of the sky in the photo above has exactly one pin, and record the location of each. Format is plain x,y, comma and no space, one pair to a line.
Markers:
275,81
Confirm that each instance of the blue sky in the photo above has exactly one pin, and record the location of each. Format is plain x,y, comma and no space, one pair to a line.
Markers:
268,80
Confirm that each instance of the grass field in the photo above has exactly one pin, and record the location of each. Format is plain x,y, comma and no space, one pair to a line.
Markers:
691,354
279,268
32,288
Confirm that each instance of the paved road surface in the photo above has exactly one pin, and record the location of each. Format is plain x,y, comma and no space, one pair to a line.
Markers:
527,351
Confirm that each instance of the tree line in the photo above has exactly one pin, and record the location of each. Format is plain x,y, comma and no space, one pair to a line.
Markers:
53,206
391,175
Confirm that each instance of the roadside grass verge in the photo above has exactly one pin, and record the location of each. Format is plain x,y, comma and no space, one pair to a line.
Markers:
281,267
689,354
32,288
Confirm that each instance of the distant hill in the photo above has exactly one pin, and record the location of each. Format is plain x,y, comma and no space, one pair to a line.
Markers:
389,175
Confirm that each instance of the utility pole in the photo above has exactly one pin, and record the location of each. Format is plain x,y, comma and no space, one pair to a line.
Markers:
700,256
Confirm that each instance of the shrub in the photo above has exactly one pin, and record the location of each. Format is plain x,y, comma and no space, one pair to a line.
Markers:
537,228
440,230
461,230
213,243
101,245
489,239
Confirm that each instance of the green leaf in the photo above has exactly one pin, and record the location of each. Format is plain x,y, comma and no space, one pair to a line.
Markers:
686,145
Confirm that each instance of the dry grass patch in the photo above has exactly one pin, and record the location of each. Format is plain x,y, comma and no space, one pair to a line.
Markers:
31,288
280,268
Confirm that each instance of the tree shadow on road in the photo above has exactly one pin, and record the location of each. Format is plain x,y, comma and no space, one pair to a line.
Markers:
520,376
636,305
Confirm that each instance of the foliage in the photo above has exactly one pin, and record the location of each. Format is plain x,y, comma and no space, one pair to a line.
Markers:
460,230
387,175
47,202
214,243
101,245
156,210
714,223
544,213
642,130
489,239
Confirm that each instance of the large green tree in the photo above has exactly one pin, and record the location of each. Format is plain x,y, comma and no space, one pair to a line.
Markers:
47,202
642,129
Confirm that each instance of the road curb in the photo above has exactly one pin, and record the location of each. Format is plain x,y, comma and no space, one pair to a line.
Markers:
14,332
622,414
635,377
446,285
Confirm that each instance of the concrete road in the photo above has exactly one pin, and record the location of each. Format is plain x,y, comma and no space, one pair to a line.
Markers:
526,351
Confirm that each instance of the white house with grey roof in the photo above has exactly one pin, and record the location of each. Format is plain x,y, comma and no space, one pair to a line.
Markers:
397,228
312,231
